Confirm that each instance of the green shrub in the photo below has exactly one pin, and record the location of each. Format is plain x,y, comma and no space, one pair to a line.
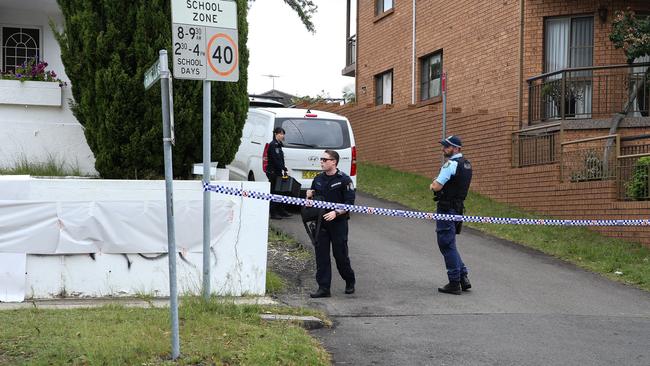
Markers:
637,189
106,46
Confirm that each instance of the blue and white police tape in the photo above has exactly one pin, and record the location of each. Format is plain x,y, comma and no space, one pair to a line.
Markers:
416,214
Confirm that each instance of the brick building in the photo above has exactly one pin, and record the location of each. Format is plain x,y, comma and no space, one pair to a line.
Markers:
551,115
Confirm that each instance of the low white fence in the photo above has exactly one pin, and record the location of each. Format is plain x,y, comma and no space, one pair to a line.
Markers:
92,238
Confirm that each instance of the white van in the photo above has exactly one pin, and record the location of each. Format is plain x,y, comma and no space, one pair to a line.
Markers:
308,134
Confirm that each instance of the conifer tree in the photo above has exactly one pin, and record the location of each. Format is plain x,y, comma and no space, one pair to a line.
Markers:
106,46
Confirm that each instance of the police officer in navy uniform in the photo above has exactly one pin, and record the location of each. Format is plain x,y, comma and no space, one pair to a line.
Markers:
276,168
332,185
450,190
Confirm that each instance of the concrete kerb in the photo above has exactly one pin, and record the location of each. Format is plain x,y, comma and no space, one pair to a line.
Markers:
127,302
307,322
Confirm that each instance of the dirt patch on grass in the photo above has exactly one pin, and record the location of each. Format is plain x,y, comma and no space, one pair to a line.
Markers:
293,262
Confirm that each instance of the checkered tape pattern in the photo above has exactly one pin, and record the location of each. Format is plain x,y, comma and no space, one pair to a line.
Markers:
416,214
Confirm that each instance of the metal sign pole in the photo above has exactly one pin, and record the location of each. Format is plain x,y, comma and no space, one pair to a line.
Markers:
444,104
206,194
206,47
171,235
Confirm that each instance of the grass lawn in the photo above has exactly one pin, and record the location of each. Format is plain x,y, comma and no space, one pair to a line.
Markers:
578,245
210,333
51,167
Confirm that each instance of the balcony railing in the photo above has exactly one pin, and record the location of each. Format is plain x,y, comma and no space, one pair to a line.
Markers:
351,51
589,159
535,146
590,92
350,57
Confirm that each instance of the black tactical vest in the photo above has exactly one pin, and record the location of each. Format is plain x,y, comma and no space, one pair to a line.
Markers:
454,192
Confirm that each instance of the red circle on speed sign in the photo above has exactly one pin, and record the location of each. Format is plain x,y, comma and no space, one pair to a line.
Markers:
229,43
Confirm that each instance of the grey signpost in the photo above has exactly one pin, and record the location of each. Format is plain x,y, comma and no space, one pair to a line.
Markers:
160,71
444,104
205,47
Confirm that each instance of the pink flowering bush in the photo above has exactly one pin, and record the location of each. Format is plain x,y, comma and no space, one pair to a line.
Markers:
631,33
33,71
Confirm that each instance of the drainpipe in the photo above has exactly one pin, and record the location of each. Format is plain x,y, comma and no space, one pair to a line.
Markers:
521,63
413,60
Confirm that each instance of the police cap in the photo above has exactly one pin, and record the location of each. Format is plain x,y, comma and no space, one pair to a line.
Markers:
452,141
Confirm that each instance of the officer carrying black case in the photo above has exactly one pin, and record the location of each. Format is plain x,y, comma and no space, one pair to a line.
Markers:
287,186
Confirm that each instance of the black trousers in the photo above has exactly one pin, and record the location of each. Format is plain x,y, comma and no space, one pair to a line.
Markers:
335,234
274,207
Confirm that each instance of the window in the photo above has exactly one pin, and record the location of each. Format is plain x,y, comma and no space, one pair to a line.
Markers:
18,46
314,133
384,88
430,76
569,43
382,6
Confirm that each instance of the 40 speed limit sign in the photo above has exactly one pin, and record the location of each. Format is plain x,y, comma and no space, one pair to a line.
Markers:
222,55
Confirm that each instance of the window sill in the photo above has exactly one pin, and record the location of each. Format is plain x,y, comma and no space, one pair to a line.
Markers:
380,106
383,15
430,101
40,93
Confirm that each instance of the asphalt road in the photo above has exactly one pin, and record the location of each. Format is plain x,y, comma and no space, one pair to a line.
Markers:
525,308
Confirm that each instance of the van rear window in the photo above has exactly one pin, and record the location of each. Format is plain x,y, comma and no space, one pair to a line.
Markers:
310,133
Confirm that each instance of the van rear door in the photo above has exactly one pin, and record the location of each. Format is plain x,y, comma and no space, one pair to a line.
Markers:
305,140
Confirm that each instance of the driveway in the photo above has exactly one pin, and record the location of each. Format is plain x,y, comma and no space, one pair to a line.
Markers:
525,308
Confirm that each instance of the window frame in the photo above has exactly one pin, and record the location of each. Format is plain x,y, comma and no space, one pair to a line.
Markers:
571,18
426,59
39,50
380,9
379,87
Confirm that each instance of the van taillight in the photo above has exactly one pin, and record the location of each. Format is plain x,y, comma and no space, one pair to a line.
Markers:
312,115
265,158
353,169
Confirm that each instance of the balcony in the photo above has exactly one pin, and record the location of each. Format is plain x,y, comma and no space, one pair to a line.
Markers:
590,93
350,57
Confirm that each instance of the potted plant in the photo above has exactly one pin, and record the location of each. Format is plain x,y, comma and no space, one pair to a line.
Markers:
31,84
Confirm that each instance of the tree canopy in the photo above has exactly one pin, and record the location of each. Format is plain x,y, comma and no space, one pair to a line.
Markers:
305,10
106,46
631,33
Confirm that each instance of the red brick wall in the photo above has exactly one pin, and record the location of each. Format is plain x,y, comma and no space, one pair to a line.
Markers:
536,11
381,138
480,43
479,63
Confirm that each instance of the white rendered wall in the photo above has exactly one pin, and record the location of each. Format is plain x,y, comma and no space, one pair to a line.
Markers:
238,258
39,132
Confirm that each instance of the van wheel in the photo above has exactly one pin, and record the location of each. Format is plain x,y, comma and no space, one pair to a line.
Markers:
251,177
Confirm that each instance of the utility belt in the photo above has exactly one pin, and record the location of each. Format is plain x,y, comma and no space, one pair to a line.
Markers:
456,205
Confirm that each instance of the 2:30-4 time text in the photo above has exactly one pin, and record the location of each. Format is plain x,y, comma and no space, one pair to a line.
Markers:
192,34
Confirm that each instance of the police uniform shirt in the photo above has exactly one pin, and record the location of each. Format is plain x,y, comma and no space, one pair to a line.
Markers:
337,188
276,158
448,169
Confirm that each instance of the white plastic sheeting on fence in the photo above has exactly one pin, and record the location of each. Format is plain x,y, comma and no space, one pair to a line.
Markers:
87,237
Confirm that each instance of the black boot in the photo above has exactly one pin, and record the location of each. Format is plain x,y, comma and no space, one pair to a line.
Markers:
321,292
464,283
349,287
453,287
